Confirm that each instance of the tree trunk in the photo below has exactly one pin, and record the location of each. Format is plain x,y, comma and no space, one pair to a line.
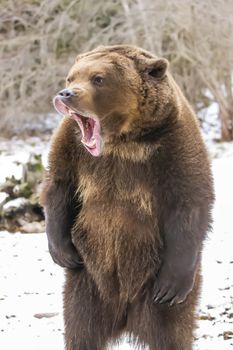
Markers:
226,117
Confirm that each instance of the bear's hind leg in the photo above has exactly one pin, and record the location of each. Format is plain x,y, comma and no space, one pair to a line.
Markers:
163,327
89,321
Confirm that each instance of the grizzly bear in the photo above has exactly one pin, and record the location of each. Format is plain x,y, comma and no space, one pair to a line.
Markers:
127,196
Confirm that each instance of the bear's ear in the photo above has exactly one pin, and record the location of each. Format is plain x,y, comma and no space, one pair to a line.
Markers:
154,67
158,68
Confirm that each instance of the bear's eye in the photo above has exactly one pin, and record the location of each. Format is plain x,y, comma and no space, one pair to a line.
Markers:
70,78
97,80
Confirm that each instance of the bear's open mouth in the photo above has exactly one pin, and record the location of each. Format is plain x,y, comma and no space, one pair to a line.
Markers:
89,126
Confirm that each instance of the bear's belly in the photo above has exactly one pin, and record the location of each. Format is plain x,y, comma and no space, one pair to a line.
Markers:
119,246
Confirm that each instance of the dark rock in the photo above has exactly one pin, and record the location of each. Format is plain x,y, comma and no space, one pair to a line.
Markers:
9,185
15,206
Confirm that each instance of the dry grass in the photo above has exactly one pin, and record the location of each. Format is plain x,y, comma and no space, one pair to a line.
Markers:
40,39
38,42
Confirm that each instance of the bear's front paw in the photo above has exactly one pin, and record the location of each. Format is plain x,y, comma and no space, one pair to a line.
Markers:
65,254
173,284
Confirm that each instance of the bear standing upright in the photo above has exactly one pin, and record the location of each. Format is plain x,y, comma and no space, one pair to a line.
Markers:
127,196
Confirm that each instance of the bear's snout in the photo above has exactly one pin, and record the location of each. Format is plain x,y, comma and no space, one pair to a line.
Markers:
66,93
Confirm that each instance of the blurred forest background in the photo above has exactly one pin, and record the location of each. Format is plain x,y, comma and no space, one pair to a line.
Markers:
40,39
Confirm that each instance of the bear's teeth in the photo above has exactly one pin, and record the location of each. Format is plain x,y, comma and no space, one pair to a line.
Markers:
89,144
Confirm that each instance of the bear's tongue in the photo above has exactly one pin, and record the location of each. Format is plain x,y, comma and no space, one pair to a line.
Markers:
89,126
90,130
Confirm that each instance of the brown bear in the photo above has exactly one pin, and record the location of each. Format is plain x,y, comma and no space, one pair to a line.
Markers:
127,196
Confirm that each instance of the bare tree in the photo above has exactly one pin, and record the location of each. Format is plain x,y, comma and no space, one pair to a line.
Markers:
197,37
38,43
40,39
213,55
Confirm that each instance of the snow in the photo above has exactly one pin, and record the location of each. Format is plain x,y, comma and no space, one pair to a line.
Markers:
217,291
3,197
211,127
15,152
15,203
31,284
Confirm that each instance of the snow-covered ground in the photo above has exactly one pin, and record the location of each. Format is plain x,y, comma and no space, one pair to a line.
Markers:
31,285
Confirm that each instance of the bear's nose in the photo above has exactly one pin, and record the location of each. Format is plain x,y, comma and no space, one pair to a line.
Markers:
66,93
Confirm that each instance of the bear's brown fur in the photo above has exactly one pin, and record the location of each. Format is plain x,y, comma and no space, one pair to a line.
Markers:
127,215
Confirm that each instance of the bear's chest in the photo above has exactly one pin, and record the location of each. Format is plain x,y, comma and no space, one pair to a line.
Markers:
117,219
118,184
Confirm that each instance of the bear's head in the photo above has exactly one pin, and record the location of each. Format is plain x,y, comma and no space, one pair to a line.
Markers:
116,92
